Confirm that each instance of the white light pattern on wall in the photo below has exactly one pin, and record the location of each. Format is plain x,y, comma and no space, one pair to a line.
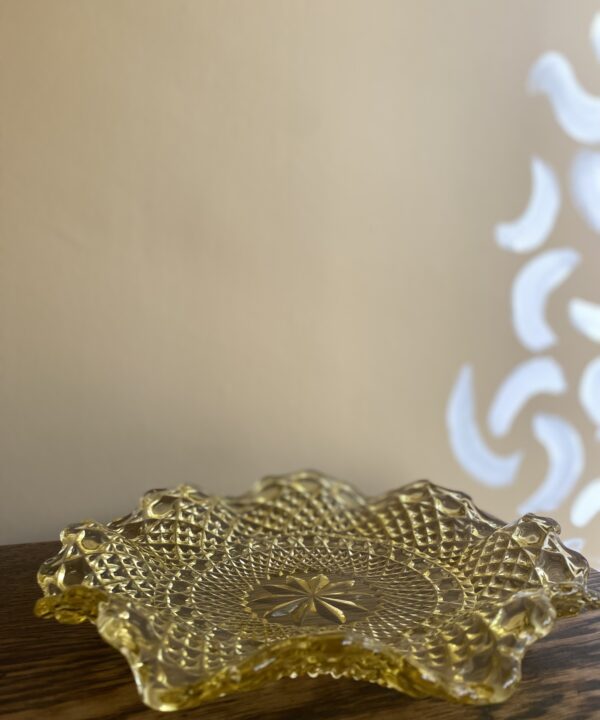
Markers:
589,392
532,229
566,460
531,288
470,448
536,376
576,110
585,186
586,505
585,317
578,114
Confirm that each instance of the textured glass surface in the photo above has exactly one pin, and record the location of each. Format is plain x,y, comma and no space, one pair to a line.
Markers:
416,590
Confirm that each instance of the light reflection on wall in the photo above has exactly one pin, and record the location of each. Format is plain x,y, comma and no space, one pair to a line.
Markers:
578,114
534,283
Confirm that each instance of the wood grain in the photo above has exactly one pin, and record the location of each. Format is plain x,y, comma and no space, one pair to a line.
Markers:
53,671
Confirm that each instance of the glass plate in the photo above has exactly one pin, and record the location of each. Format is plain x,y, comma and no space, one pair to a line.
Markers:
416,590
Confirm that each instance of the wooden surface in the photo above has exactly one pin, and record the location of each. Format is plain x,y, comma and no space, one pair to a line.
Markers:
48,670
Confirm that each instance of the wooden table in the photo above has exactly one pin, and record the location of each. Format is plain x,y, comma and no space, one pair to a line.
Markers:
48,670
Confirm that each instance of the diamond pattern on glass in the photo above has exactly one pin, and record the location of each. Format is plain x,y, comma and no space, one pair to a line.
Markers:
416,590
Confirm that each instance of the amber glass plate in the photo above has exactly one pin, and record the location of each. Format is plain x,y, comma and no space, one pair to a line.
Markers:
416,590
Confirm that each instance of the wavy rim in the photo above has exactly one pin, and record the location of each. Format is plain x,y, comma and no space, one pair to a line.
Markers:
335,653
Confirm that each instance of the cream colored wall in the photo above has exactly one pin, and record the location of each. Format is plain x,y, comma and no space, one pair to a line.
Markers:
240,238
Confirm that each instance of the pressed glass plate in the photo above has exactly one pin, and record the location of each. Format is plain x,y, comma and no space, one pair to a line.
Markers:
416,590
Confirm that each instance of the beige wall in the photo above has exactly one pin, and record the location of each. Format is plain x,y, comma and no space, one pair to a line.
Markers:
247,237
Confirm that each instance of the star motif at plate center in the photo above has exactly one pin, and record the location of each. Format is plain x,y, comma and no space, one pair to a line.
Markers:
312,600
